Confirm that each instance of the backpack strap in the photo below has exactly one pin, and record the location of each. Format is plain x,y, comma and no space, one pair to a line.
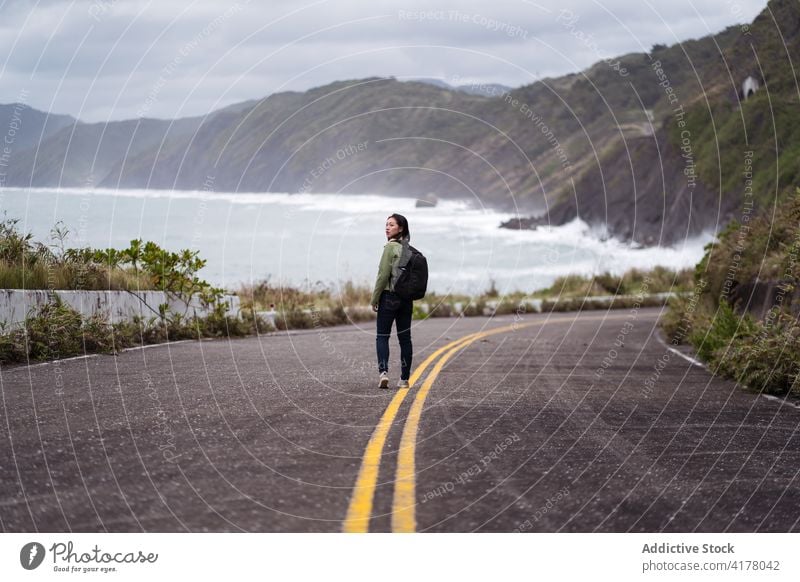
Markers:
405,257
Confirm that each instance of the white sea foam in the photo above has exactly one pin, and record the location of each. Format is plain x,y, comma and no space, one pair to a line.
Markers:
335,237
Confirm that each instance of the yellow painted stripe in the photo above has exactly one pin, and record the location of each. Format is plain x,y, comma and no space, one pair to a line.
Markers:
404,503
360,508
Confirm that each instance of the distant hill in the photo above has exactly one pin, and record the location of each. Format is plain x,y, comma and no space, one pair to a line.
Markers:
25,127
651,145
88,154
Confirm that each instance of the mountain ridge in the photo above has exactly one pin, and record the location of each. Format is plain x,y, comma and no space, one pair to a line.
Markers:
581,145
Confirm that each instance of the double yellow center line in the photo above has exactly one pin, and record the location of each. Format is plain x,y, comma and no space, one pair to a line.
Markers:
404,502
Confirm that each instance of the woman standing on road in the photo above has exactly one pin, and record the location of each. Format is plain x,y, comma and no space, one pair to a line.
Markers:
390,306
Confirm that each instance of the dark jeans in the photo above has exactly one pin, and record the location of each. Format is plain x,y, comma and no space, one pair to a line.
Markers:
392,308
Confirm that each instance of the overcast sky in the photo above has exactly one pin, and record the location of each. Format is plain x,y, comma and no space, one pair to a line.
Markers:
117,59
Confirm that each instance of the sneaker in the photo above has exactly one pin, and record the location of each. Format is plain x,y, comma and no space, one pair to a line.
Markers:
403,384
384,380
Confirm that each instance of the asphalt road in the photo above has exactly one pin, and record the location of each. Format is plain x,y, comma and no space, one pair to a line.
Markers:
563,422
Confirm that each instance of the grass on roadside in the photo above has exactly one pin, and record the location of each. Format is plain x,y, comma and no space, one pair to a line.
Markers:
763,355
29,264
632,282
318,304
56,331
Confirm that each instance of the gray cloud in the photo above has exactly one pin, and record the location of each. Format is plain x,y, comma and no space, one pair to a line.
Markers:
107,59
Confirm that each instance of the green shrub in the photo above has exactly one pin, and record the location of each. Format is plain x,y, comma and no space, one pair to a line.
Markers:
474,307
440,309
100,337
767,360
570,286
677,323
13,346
611,284
217,325
715,334
633,281
294,318
418,313
54,332
761,355
255,323
29,264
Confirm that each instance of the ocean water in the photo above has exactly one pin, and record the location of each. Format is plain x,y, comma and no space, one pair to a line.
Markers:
329,239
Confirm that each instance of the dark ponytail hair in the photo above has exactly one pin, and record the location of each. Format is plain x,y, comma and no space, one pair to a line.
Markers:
402,223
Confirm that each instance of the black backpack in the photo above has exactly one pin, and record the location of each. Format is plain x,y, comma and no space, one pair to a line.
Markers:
411,280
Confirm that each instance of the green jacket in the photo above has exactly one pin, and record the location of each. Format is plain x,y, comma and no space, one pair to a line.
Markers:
391,252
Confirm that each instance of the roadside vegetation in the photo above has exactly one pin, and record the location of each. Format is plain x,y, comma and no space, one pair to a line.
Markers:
761,352
632,282
318,304
57,331
309,306
29,264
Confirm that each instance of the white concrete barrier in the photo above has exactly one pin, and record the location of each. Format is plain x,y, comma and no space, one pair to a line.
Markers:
16,304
